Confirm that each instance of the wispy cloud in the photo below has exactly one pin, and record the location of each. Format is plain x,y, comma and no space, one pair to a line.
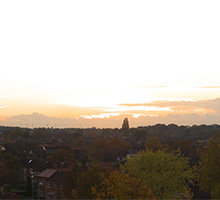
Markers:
3,106
101,116
209,87
193,106
155,86
137,108
108,115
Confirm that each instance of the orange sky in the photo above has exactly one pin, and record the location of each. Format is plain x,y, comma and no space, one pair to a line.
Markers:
83,60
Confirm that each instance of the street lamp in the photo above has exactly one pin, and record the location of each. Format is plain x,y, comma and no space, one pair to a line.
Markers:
32,185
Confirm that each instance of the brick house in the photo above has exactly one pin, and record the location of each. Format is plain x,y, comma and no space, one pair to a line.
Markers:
48,183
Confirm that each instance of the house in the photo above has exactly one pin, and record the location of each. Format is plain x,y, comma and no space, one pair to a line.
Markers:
36,166
48,183
131,153
23,151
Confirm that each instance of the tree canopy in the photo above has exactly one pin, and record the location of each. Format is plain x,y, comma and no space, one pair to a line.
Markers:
167,174
209,167
119,185
10,169
103,149
63,155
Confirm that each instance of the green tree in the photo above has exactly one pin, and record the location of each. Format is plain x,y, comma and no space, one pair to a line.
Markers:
166,174
11,161
209,167
10,169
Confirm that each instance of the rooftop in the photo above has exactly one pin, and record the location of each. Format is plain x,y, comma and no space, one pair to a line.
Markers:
47,173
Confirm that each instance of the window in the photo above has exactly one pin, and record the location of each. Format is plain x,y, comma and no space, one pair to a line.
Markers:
31,170
40,183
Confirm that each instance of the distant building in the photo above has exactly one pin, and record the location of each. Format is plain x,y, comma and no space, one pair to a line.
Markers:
48,183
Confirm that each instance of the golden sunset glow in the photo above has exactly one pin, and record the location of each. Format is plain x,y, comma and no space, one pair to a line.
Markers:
98,60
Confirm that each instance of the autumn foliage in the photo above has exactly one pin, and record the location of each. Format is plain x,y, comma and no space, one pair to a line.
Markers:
209,167
167,174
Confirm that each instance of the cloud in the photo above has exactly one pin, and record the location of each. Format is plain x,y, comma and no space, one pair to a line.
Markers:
40,120
137,108
210,87
193,106
155,86
101,116
3,106
181,113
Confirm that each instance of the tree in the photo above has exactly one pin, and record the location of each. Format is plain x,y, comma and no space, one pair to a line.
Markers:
89,179
185,146
41,133
18,132
103,149
125,125
97,149
63,155
209,167
154,144
117,185
78,140
11,161
116,147
78,183
167,174
10,169
69,183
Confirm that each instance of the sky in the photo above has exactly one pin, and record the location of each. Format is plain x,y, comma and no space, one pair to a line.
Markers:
92,63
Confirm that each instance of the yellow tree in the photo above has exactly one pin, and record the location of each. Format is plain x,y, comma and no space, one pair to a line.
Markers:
166,174
121,186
